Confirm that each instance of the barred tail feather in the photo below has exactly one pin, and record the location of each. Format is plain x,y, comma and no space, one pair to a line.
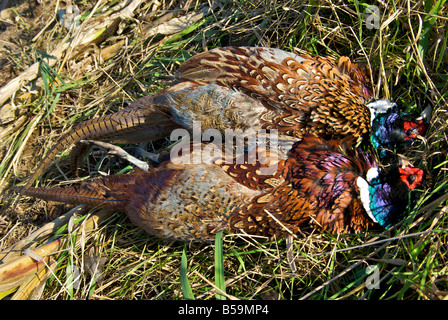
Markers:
94,193
141,121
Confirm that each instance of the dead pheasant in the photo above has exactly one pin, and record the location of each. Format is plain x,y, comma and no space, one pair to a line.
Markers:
322,184
252,88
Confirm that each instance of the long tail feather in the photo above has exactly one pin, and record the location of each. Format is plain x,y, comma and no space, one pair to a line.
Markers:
139,122
104,192
71,195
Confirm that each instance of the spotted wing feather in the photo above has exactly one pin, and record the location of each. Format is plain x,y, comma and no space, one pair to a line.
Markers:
301,93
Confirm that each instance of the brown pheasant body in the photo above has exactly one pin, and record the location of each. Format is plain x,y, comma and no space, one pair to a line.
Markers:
242,88
318,186
187,202
300,93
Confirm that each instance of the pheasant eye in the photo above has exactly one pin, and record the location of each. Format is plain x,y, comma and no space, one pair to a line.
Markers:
411,178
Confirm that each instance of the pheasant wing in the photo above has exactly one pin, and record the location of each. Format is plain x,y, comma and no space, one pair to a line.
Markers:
301,93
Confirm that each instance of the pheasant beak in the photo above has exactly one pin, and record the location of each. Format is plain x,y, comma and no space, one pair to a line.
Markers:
412,177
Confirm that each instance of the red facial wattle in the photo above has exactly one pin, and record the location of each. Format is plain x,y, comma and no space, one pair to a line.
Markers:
414,129
412,177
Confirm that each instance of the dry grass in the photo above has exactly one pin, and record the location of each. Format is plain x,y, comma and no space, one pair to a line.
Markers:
409,60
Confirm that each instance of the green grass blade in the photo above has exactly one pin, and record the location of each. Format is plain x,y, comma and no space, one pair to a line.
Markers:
186,288
219,266
187,30
428,23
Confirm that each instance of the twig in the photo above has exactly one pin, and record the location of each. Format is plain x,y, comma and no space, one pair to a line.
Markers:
49,22
31,73
215,287
39,235
379,241
353,266
280,223
77,38
116,150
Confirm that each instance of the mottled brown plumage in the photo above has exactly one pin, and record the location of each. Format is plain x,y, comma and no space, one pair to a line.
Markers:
320,185
241,88
300,93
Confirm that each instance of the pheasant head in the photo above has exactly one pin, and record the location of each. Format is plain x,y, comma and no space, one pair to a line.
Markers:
385,194
392,128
